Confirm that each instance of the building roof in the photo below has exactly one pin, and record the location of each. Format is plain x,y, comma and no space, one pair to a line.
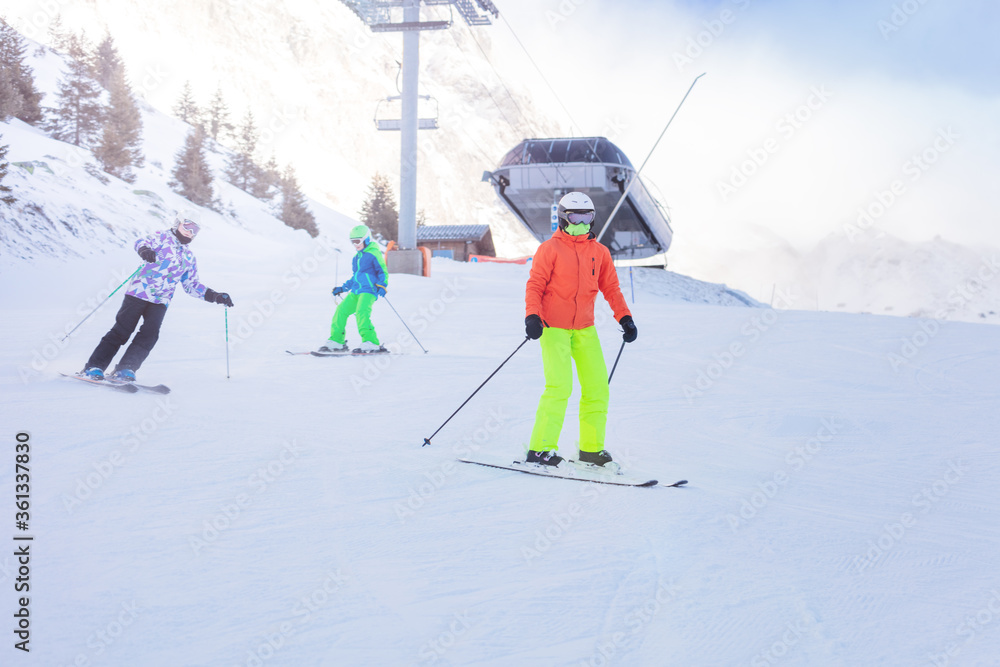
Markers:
452,232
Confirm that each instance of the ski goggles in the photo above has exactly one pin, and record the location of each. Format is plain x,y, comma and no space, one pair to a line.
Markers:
189,228
580,217
358,241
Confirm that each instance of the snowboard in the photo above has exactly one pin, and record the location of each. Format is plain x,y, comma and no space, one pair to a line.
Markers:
580,472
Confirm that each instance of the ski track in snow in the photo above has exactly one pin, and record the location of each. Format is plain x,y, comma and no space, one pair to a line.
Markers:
338,539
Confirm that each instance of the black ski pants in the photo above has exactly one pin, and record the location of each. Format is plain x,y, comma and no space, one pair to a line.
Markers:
125,322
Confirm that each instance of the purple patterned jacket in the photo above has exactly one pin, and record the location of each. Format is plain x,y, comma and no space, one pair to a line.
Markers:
174,263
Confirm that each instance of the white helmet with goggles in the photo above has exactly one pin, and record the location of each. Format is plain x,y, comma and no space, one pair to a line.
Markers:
186,228
575,208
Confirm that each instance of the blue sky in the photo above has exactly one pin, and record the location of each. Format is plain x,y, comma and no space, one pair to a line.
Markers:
932,41
899,74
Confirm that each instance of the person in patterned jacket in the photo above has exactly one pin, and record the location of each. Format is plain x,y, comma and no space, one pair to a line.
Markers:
169,261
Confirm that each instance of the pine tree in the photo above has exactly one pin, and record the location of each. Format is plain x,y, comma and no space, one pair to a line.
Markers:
242,170
186,109
10,100
379,209
121,140
77,118
294,211
192,175
268,180
107,62
18,96
59,37
5,197
217,116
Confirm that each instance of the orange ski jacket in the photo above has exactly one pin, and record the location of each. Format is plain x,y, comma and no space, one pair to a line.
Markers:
566,274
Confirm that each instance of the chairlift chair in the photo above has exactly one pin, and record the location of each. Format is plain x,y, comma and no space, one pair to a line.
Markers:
395,124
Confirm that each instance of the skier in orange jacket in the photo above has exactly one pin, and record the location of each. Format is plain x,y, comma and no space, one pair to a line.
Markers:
566,273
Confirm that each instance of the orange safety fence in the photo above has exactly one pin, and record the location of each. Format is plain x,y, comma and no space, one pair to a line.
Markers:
499,260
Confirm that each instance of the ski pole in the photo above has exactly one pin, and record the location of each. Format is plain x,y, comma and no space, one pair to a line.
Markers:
427,441
226,310
404,323
635,178
620,350
101,304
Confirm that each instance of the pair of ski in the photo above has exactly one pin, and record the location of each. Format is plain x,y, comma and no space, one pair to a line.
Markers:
348,353
125,387
575,470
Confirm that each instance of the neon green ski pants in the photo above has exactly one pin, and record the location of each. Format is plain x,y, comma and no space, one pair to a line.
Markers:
560,348
359,305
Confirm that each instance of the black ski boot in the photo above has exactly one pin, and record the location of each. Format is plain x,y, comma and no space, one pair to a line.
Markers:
546,458
600,458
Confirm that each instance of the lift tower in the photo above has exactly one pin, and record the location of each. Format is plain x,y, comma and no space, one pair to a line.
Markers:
404,16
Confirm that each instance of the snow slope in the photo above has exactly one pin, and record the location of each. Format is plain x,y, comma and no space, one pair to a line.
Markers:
842,507
313,75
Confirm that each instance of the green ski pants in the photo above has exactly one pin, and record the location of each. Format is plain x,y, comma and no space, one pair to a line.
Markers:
360,305
560,348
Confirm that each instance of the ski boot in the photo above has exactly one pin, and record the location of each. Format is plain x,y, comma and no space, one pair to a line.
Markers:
93,373
123,375
546,458
600,459
332,347
369,348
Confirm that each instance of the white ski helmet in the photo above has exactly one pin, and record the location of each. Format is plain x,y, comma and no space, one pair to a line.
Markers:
575,208
190,227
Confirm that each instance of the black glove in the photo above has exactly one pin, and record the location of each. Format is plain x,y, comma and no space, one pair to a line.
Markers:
218,297
147,254
533,327
629,326
338,291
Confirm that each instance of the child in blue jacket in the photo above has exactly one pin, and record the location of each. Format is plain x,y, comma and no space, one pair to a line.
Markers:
363,288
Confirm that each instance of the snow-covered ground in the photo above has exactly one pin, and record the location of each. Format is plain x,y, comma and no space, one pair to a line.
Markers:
842,507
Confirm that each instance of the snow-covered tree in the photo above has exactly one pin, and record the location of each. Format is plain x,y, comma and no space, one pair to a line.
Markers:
242,169
379,210
5,190
268,180
78,116
186,108
59,37
18,96
192,175
120,148
217,117
294,211
107,62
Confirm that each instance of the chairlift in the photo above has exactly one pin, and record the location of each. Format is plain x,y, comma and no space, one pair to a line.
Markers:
396,123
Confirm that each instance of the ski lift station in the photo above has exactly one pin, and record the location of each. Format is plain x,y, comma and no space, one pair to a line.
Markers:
536,173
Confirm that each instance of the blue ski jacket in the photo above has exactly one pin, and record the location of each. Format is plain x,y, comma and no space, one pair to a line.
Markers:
370,273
